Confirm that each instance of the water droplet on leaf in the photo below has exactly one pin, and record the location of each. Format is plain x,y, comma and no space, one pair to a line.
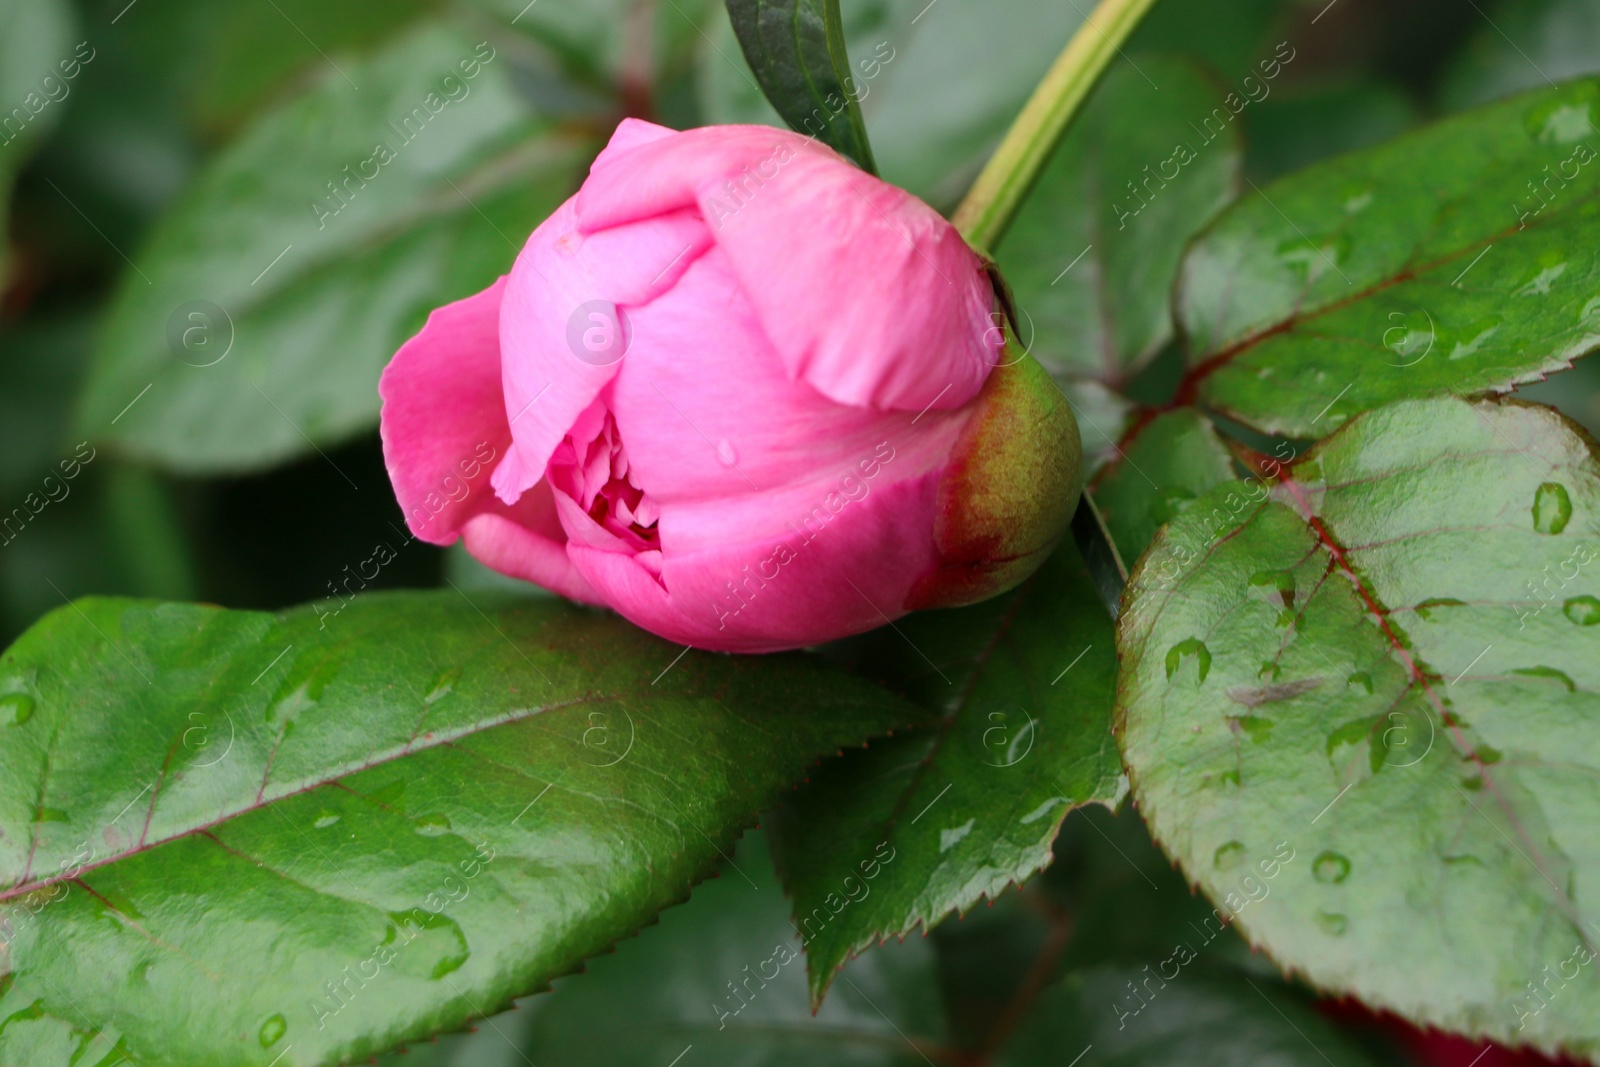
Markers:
16,709
1333,924
325,820
442,684
1330,868
433,825
1228,856
1191,647
1583,610
271,1030
1552,508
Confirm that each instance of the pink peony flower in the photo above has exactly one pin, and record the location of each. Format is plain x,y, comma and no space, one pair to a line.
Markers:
739,391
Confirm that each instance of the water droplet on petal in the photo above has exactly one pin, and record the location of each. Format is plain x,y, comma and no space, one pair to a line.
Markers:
1330,868
16,709
726,453
1552,508
433,825
1583,610
271,1030
1228,856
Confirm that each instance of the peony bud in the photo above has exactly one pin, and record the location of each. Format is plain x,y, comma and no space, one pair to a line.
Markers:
742,393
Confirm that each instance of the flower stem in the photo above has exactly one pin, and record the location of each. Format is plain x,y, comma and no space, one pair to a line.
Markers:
994,198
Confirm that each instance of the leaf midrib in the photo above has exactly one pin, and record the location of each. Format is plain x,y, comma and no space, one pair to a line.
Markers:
1188,390
432,739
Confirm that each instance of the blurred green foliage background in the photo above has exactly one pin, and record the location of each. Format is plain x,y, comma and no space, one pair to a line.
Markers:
196,140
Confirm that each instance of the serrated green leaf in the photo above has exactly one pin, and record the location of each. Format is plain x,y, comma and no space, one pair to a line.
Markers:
313,254
305,838
1168,462
1409,617
723,973
932,820
797,52
1445,262
1093,253
1132,1018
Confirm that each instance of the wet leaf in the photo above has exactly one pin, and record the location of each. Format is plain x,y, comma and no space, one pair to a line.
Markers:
260,314
333,830
1358,708
932,820
1167,463
1093,253
1447,261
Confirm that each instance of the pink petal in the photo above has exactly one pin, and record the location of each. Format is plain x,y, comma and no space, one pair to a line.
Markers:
564,278
822,249
852,575
715,427
444,426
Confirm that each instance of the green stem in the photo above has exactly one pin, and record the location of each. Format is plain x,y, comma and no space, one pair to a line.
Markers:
994,198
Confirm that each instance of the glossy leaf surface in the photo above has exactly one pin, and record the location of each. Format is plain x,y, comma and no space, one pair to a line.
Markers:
1447,261
933,820
1167,463
241,838
796,50
1375,683
264,307
1093,253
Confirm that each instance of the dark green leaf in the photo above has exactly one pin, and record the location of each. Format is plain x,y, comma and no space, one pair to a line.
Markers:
1094,250
1104,563
251,49
1227,37
1358,706
313,273
934,819
35,36
1447,261
797,51
1132,1018
723,974
327,832
1523,44
1163,467
931,129
1298,126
